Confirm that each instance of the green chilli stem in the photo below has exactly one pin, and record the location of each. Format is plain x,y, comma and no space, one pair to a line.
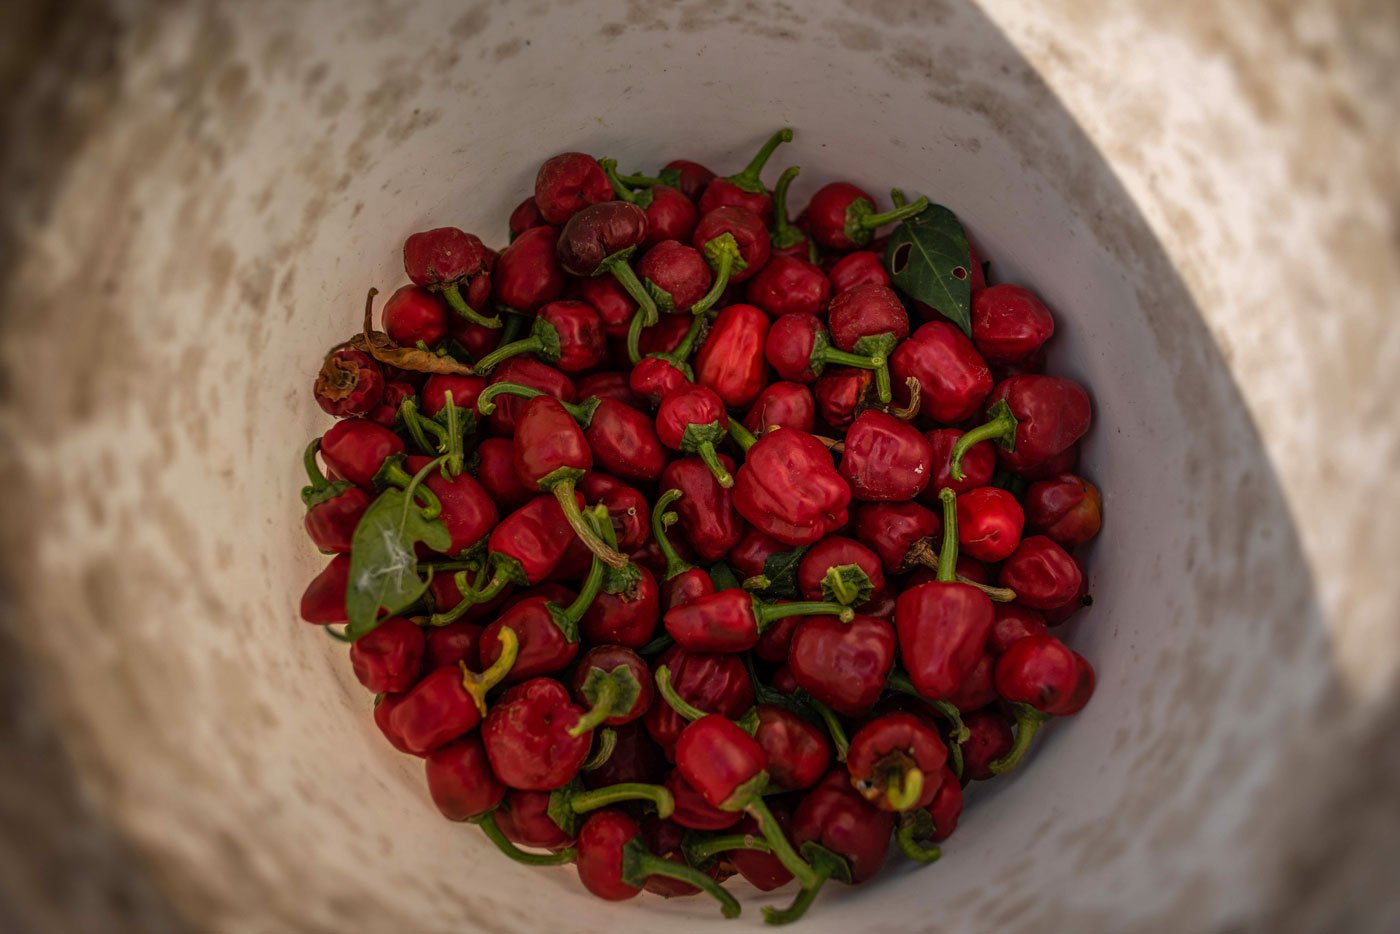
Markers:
1028,724
784,233
711,847
313,468
602,708
800,904
675,564
801,870
723,268
619,186
749,179
948,556
394,475
741,435
563,492
459,304
707,453
833,727
584,801
1001,428
592,583
767,614
668,693
494,833
916,851
645,863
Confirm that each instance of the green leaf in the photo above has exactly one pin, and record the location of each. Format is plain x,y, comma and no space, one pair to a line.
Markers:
383,566
781,571
723,577
928,259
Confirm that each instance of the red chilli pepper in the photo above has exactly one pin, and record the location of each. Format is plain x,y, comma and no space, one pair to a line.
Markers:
600,240
693,419
568,183
750,556
783,404
798,752
789,285
896,762
737,258
1041,678
746,189
843,217
525,216
839,392
494,468
858,268
445,259
843,665
614,863
333,509
530,739
989,739
731,362
565,334
1009,323
676,275
840,569
448,702
800,349
717,684
1043,574
527,274
323,601
1032,418
682,582
732,620
789,487
671,214
990,521
614,683
953,378
1068,510
886,458
350,382
869,320
525,371
356,449
706,509
978,464
943,625
389,658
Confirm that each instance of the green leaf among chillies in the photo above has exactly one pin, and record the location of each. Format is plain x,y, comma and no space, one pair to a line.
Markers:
928,259
383,566
781,571
723,576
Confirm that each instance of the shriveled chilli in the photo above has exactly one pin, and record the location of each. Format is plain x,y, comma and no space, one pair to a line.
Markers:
604,534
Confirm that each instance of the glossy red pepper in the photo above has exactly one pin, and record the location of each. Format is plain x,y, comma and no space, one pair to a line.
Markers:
628,510
671,214
530,736
527,274
524,819
749,557
389,658
953,378
356,449
748,238
732,620
676,275
693,811
943,625
858,268
453,644
1032,419
386,412
525,216
693,419
448,702
978,464
333,508
545,627
840,569
1009,323
731,361
463,390
843,665
789,487
460,780
717,684
565,334
798,752
843,217
658,374
799,348
350,382
614,306
839,392
446,260
1043,574
782,404
467,509
947,806
384,705
568,183
494,467
747,851
1014,622
977,689
413,315
886,459
525,371
706,509
607,384
628,607
682,581
990,521
614,863
745,189
789,285
990,738
896,762
1041,678
614,684
323,601
1068,510
600,240
869,320
691,178
900,533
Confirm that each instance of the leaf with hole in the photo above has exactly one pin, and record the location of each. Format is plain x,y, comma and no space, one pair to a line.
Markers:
928,258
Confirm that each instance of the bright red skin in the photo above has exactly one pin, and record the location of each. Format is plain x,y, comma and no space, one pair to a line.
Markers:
989,738
548,439
526,371
693,811
843,665
568,183
384,706
535,535
716,684
680,270
731,362
625,619
415,314
755,246
723,621
386,411
580,330
1042,573
1046,674
600,843
1068,510
826,214
782,404
330,524
798,752
686,587
624,442
722,193
467,509
1052,413
614,306
691,177
947,806
954,379
789,488
524,819
1057,615
1013,623
978,464
990,521
606,658
866,311
607,384
653,378
627,509
528,274
886,459
465,390
495,472
788,285
790,344
892,529
460,780
835,551
670,215
355,449
898,733
526,736
942,634
717,758
635,758
436,711
978,688
354,377
443,256
453,643
706,510
689,405
858,268
525,216
839,819
1009,323
543,648
323,601
389,658
838,391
